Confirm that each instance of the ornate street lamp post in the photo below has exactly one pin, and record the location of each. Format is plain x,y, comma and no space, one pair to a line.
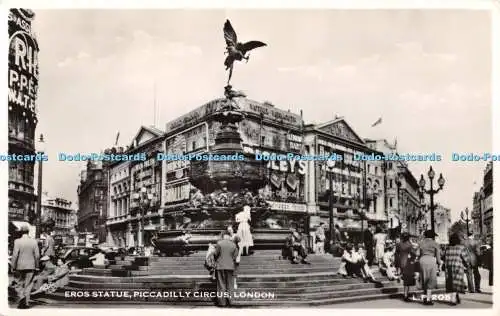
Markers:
481,199
331,164
399,185
466,218
40,149
144,200
431,191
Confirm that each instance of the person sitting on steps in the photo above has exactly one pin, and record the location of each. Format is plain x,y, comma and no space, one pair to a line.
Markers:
294,248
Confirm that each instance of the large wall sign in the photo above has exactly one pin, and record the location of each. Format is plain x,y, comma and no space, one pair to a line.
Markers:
269,112
265,111
194,116
23,61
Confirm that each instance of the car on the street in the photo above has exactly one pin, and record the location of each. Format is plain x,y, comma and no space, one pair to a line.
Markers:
78,257
484,248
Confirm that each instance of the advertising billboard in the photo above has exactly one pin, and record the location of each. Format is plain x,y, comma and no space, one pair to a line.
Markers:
23,61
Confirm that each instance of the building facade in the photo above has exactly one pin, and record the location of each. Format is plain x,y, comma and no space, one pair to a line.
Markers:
118,205
357,183
61,213
487,205
409,201
92,200
476,214
22,113
403,198
135,192
482,206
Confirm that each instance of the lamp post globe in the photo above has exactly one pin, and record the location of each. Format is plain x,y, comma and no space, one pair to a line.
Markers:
441,181
431,173
40,145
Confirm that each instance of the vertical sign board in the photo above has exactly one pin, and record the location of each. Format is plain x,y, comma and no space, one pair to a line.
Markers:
23,61
23,87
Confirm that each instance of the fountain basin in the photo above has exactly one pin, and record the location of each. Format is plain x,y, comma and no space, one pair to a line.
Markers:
169,242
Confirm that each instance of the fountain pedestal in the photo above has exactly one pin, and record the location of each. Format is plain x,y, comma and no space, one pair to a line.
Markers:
227,179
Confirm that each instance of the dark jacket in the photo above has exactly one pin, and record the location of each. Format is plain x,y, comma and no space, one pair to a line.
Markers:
368,238
225,255
292,240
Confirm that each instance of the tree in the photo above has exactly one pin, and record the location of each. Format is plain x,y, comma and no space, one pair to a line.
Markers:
458,227
47,224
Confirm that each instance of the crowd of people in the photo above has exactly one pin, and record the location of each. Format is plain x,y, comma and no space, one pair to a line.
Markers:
409,261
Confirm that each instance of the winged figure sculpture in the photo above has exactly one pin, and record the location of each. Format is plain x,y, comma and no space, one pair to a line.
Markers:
235,50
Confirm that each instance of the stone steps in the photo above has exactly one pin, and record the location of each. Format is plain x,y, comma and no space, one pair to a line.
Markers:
278,282
240,271
281,277
205,283
363,295
247,286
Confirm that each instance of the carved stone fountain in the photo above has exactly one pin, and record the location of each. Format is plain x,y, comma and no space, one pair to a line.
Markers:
226,180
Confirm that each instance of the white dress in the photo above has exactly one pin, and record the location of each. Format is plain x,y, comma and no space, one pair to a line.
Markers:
379,239
243,218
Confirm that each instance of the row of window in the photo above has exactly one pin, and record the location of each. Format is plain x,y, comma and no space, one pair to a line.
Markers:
119,207
21,172
21,128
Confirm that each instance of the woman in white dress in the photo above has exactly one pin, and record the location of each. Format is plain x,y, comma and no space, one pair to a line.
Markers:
246,240
379,240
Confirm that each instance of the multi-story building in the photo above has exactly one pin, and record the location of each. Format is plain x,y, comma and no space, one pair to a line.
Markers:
357,183
409,201
487,209
266,130
403,197
92,200
482,206
476,214
135,190
22,113
60,212
118,204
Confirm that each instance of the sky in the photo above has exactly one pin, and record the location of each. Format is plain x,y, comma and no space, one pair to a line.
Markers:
427,73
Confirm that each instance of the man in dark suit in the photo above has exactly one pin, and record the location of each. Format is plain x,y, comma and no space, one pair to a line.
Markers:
369,246
473,275
225,256
295,247
25,257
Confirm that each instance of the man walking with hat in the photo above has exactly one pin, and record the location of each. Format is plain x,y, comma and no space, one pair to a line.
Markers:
473,275
25,257
225,256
